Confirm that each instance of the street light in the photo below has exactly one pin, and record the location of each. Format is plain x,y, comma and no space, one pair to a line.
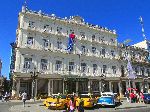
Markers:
34,75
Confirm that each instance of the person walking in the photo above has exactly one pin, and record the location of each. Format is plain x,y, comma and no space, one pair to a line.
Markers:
71,105
141,97
127,96
24,98
81,108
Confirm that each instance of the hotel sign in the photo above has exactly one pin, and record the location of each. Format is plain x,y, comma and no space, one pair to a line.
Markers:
77,79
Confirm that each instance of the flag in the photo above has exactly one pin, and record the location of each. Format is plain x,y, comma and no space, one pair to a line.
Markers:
131,74
149,57
141,20
70,42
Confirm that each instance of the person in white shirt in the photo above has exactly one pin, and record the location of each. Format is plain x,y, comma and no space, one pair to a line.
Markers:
24,98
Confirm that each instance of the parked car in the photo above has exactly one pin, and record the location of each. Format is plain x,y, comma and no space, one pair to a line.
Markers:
146,97
106,99
56,102
88,100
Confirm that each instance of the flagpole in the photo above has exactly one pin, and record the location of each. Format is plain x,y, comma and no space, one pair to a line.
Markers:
142,24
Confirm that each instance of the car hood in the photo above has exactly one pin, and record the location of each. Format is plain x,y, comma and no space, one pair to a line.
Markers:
105,99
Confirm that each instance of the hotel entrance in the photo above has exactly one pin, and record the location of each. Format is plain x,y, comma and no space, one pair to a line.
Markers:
71,86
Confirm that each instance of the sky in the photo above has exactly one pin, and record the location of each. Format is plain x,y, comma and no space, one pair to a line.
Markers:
121,15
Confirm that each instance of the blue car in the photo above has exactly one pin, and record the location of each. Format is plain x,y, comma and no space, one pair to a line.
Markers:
106,101
146,97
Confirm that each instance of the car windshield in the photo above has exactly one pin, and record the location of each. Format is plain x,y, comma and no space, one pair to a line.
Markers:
85,96
63,96
147,95
107,97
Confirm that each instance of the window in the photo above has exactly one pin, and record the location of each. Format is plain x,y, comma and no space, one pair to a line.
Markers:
71,66
59,44
112,53
59,29
142,71
94,68
83,49
45,43
104,69
71,30
112,40
103,52
93,37
114,69
122,71
27,63
136,70
148,72
94,50
31,24
99,39
83,67
82,34
44,64
102,39
46,27
30,41
58,65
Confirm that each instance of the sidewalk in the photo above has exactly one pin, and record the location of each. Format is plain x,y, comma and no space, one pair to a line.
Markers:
127,105
38,107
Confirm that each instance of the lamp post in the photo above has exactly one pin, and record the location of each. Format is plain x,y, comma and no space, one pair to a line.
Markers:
34,75
79,70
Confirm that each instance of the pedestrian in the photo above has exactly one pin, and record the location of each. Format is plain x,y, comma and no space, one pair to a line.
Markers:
138,97
131,97
141,97
71,105
24,98
127,96
81,108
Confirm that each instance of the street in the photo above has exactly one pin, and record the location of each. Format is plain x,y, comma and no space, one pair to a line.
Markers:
16,106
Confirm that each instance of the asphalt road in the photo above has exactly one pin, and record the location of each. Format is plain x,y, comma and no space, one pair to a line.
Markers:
5,107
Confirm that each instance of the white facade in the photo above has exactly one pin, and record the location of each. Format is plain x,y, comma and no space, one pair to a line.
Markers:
42,42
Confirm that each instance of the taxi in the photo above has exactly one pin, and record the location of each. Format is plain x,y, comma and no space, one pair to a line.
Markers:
88,100
57,102
50,98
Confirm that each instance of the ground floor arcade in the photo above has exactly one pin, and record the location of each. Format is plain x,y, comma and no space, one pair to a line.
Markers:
78,85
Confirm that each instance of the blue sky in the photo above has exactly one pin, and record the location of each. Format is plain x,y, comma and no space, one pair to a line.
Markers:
121,15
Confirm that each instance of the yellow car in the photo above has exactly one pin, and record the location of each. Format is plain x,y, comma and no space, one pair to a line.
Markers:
57,102
47,99
88,100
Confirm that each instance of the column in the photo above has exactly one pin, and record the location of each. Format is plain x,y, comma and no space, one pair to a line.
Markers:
120,89
32,90
18,87
77,87
49,87
63,86
100,87
110,87
134,86
89,87
52,89
36,87
127,84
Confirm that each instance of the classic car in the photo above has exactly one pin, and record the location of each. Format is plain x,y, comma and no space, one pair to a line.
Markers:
88,100
106,99
56,102
146,98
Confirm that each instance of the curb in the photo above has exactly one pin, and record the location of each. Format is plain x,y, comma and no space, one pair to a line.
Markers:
130,107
